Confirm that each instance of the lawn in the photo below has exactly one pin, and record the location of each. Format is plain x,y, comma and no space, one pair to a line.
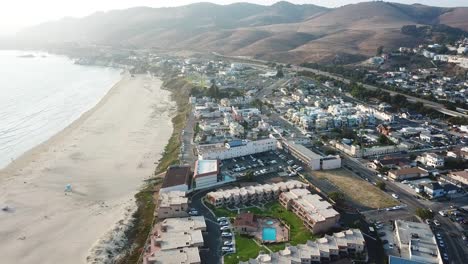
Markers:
246,249
357,190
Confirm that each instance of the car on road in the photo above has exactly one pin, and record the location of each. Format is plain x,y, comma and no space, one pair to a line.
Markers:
221,219
224,228
439,236
428,221
223,223
436,222
441,243
394,195
385,178
446,258
227,249
193,212
228,243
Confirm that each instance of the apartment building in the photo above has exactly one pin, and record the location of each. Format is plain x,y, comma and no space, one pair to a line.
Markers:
176,235
460,176
172,204
417,242
235,148
251,194
323,250
317,214
432,160
187,255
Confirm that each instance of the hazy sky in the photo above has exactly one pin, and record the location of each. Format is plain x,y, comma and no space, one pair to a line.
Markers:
16,14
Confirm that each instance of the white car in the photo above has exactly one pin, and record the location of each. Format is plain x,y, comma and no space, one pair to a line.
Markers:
227,249
394,195
193,212
436,222
221,219
226,234
223,223
224,228
228,243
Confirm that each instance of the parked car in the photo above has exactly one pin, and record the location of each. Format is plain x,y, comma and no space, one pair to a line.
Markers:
221,219
226,234
224,228
436,222
394,195
381,234
446,258
228,243
193,212
223,223
227,249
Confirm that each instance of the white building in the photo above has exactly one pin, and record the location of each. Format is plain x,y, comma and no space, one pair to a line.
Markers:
432,160
235,148
312,159
417,242
205,174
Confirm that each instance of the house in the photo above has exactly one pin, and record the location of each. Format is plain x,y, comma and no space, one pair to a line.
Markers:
459,176
384,129
177,178
172,204
393,162
245,223
434,190
407,173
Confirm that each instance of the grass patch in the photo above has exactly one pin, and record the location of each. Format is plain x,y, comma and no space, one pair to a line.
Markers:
246,249
357,190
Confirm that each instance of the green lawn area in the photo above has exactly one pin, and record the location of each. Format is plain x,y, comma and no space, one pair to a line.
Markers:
246,249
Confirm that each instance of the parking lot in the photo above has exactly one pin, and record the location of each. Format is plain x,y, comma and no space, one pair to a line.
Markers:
263,166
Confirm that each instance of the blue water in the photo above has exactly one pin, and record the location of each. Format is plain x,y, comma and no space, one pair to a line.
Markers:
42,95
269,234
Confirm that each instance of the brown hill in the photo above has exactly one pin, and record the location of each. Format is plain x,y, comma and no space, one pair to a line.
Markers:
283,31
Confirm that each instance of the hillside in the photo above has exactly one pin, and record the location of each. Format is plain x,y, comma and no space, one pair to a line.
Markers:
283,31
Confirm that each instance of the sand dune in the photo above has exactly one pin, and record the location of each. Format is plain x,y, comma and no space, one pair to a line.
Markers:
105,156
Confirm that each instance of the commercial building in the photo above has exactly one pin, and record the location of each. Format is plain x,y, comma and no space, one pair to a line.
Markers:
323,250
434,189
312,159
251,194
205,174
176,235
317,214
172,204
235,148
417,242
407,173
177,178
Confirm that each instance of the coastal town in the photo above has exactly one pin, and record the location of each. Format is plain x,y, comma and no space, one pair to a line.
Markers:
277,164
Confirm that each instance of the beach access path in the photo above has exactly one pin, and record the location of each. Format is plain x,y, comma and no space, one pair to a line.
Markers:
105,156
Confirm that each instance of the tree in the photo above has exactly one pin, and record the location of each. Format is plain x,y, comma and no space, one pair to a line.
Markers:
338,197
424,213
382,185
279,73
249,175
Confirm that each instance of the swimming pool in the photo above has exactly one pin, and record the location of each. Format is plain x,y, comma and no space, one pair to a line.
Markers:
269,234
270,222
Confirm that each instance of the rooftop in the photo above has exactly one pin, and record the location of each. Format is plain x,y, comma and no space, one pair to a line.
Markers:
206,167
172,198
408,171
187,255
177,175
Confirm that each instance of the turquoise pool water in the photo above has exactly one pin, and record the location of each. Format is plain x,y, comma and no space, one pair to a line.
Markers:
269,234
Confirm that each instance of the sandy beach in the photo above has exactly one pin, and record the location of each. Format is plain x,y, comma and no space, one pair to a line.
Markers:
105,155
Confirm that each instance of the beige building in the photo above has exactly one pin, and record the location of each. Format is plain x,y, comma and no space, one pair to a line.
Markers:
172,204
317,214
323,250
187,255
460,176
407,173
176,235
251,194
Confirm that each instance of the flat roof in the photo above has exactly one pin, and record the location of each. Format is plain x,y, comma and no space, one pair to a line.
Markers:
206,167
186,255
417,239
303,150
177,175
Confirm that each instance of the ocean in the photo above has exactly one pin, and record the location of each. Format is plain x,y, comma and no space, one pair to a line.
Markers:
40,95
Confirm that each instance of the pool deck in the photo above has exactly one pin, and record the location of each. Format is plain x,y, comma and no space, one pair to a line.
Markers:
282,232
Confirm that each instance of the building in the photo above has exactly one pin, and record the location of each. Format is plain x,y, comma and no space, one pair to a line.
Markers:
312,159
416,242
186,255
317,214
205,174
235,148
177,178
434,189
432,160
251,194
407,173
459,176
179,236
245,223
393,162
172,204
323,250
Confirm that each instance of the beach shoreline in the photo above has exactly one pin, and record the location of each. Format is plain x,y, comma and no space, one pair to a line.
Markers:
105,155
